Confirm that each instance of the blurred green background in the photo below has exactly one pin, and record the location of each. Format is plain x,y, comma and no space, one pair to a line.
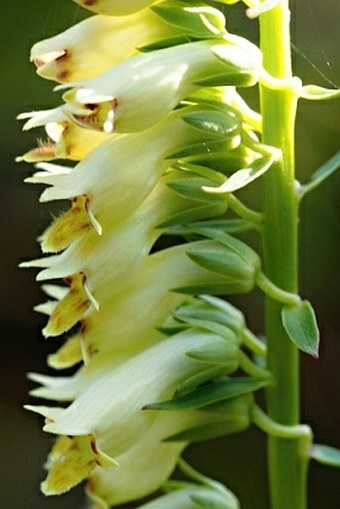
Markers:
241,464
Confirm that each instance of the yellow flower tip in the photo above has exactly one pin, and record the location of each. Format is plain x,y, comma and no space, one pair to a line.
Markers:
69,463
45,151
71,308
98,116
68,355
52,65
67,228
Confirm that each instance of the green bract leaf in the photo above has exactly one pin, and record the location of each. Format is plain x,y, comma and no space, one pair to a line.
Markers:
197,18
325,171
203,396
326,455
206,147
300,324
316,93
214,122
242,178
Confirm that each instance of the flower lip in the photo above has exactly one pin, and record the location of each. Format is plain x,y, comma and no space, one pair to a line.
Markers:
49,57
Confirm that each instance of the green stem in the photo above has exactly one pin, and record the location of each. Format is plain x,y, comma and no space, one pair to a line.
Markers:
287,467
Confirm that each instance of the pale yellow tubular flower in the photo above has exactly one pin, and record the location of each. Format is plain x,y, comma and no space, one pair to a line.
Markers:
143,305
140,91
130,243
96,44
115,7
124,169
108,405
140,474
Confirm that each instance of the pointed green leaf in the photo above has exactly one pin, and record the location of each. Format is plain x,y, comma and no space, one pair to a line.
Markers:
300,324
207,395
214,122
316,93
326,455
242,178
325,171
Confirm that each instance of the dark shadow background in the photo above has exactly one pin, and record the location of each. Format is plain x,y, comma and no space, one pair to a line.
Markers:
241,464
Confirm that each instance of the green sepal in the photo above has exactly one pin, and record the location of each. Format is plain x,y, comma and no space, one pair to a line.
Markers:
208,375
210,431
198,18
214,122
194,214
229,287
227,323
192,188
246,253
204,147
300,324
225,332
326,455
225,262
231,416
211,499
316,93
216,352
221,390
243,177
226,225
229,2
200,170
240,60
231,79
169,42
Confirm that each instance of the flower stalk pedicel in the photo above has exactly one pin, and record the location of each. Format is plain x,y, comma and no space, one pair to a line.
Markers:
160,140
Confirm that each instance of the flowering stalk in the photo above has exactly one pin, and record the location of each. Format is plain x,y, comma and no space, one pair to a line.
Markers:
161,140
